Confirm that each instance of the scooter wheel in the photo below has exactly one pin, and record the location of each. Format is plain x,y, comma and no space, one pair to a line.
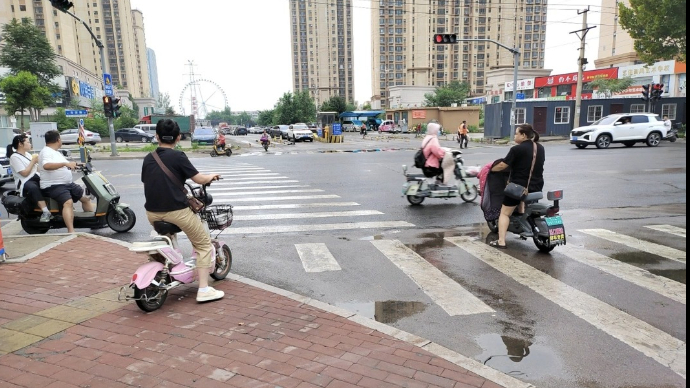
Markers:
471,194
213,154
223,263
121,223
673,139
543,244
415,200
34,227
148,299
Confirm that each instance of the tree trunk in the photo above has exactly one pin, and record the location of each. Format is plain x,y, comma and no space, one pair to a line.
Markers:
21,124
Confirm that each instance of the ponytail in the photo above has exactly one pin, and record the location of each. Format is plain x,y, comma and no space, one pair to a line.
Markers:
529,132
10,150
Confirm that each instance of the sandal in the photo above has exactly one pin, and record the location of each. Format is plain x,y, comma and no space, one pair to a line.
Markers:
495,244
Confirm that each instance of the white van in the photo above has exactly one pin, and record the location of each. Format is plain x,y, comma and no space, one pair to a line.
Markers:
148,128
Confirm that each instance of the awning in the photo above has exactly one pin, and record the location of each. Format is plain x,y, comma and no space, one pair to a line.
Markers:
363,113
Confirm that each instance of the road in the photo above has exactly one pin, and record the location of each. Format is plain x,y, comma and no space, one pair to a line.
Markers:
334,227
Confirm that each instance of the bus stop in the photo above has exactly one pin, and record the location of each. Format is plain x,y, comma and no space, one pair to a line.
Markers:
357,118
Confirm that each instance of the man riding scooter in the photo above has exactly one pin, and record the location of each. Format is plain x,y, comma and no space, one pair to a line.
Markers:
265,140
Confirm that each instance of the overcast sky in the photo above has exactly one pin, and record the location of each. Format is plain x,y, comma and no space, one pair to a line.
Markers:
244,46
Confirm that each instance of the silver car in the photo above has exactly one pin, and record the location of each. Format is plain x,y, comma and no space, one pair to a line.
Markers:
70,136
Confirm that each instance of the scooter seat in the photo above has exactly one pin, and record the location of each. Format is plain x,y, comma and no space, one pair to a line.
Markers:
533,197
162,227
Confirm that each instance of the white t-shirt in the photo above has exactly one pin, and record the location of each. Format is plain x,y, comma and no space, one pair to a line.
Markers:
668,124
61,176
20,162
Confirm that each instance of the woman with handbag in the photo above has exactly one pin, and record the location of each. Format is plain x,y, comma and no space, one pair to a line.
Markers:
526,164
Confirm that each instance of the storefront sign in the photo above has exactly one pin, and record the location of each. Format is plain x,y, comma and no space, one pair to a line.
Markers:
523,84
639,71
571,78
418,114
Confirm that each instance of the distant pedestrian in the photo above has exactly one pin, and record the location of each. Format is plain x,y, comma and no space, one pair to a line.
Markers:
462,135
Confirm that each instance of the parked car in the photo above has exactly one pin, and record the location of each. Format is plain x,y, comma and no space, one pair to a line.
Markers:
300,131
204,135
241,131
70,136
6,174
625,128
279,131
133,134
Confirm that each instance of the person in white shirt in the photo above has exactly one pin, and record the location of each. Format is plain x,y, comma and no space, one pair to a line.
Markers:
26,178
56,179
668,124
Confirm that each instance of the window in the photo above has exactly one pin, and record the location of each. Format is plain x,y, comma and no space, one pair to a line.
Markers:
669,110
594,113
640,119
562,115
520,115
638,108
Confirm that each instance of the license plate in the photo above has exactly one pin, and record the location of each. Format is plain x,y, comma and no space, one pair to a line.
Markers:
556,230
573,138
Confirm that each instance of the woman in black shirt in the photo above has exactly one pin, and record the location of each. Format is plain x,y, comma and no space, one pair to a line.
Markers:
519,161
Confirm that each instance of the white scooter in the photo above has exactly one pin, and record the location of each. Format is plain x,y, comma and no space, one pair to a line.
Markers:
418,188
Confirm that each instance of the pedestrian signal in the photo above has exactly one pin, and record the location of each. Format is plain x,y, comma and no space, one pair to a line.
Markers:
115,104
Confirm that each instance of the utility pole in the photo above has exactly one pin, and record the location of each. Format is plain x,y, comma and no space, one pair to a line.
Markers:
581,62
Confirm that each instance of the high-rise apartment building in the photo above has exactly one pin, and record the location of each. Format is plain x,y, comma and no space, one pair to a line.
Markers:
153,73
616,47
322,60
403,52
142,61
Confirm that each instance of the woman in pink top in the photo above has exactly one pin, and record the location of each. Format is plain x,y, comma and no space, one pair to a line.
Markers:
437,156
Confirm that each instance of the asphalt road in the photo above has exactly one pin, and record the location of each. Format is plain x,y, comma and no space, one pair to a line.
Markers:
563,320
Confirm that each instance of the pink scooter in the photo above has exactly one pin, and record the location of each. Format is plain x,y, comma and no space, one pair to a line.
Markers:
167,267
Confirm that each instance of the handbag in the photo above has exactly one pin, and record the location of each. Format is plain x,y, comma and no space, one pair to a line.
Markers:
515,191
194,203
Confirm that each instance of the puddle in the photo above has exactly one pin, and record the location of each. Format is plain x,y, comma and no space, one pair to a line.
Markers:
636,258
518,357
389,311
678,275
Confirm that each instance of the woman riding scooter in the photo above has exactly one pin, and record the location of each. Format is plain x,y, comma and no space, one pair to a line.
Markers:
438,157
26,178
265,140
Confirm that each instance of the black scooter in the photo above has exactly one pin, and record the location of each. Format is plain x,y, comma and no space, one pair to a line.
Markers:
109,211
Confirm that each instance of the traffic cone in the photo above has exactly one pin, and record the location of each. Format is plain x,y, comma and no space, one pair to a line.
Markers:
3,254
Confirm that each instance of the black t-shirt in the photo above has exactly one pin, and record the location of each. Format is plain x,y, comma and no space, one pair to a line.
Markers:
160,193
520,161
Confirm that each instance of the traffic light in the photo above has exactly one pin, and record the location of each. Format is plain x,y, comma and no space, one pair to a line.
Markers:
108,106
445,38
645,92
115,106
657,91
62,5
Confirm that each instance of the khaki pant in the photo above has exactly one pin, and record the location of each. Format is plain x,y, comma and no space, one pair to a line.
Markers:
191,225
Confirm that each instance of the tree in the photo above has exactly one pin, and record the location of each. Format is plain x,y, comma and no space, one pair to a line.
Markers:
265,117
658,28
611,86
22,92
453,93
127,119
294,108
366,106
163,104
64,122
225,115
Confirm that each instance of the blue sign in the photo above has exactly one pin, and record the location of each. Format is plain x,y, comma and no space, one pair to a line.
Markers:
337,129
86,90
319,132
81,122
108,85
520,96
76,113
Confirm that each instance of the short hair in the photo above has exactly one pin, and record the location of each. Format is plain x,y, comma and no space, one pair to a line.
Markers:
167,131
52,137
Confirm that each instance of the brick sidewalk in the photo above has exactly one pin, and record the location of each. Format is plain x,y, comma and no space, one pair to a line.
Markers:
61,327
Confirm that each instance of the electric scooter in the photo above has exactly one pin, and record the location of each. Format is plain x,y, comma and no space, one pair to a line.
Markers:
109,211
418,188
219,151
167,268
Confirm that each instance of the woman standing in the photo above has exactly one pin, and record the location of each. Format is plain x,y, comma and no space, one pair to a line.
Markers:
526,163
26,178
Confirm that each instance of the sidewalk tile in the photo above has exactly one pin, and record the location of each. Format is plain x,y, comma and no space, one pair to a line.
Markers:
11,340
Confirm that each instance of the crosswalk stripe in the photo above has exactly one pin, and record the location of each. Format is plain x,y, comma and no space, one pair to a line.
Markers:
639,335
250,182
230,170
318,227
261,174
645,246
444,291
296,206
354,213
317,258
255,178
680,232
641,277
255,188
268,192
264,199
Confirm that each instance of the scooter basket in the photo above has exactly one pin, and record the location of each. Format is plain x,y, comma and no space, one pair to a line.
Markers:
218,217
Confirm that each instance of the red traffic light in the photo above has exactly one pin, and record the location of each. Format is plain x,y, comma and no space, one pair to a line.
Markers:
445,38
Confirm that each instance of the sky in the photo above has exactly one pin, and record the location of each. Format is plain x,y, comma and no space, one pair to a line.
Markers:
243,46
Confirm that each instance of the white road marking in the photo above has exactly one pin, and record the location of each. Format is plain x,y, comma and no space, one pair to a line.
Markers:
231,170
251,182
318,227
287,216
268,192
255,178
264,199
296,206
645,338
645,246
444,291
680,232
261,174
255,188
317,258
638,276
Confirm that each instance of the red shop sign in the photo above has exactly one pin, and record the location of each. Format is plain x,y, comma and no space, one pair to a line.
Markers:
571,78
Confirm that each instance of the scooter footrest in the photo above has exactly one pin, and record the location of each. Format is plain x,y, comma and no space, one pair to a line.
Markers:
148,246
84,214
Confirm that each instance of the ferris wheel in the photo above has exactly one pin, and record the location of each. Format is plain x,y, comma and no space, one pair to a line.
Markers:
201,97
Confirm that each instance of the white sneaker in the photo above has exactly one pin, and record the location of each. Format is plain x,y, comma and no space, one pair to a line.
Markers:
45,217
210,295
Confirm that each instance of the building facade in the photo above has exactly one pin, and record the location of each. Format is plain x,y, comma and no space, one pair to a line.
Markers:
322,51
141,75
616,47
403,52
153,73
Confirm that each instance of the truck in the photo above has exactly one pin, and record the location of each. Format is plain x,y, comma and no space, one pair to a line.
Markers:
186,123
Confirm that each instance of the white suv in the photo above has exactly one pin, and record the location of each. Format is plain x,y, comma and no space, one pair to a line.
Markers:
626,128
300,131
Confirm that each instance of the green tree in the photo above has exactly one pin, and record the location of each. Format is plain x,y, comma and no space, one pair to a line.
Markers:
128,118
23,92
658,28
64,122
453,93
305,108
366,106
335,104
163,104
611,86
225,115
265,117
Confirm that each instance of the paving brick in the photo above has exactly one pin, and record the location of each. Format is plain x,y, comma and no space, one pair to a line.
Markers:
434,379
316,379
342,375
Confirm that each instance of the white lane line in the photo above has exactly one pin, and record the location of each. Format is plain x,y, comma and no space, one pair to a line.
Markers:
645,246
317,258
444,291
641,277
262,174
318,227
268,192
256,188
287,216
641,336
251,182
264,199
256,178
296,206
229,170
680,232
